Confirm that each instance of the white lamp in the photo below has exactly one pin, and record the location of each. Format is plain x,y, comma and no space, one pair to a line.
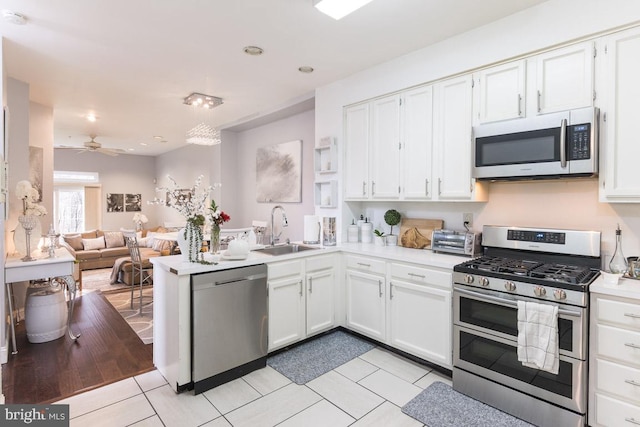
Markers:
338,8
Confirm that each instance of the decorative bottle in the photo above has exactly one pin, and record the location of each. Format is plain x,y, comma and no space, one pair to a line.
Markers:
618,263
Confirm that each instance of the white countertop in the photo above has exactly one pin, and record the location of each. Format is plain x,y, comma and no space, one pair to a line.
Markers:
176,265
626,288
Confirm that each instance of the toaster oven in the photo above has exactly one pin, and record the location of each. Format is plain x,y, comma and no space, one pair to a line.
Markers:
456,242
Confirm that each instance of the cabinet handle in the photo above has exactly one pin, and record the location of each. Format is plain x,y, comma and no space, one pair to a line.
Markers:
632,345
563,143
364,188
364,265
373,188
310,284
632,421
632,315
300,287
380,287
426,187
632,382
439,186
390,290
519,105
420,276
539,96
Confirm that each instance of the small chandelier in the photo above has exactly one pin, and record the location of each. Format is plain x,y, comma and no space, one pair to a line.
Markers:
202,133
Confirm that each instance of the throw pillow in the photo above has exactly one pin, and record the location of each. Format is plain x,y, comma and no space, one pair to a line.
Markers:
114,239
75,241
89,234
91,244
142,242
150,238
160,245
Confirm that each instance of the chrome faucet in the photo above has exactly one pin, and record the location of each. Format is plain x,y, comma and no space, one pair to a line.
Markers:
285,223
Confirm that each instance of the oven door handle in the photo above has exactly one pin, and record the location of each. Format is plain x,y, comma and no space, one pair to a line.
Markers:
509,303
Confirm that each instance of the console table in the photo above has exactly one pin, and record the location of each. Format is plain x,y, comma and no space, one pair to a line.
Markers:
42,267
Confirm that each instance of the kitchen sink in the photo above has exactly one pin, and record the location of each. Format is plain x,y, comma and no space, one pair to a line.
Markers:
285,249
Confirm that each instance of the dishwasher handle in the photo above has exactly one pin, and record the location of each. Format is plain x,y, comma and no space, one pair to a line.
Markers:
240,279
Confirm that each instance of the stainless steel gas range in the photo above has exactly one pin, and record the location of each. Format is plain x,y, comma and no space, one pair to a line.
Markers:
547,266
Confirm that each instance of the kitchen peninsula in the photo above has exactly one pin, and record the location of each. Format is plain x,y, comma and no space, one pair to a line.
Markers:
373,290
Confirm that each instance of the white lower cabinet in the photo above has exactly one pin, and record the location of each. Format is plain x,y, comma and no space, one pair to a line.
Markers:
420,312
301,299
614,361
403,305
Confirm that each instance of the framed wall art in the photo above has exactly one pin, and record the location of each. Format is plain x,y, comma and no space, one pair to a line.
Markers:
279,173
115,202
133,202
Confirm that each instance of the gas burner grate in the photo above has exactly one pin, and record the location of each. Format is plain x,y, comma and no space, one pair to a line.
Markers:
518,267
561,273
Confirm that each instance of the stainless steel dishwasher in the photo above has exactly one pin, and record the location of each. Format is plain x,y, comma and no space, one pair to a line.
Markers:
229,325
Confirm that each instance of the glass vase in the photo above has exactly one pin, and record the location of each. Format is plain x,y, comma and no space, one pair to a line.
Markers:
28,223
215,239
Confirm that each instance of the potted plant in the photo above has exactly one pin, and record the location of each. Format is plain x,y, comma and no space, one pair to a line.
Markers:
392,217
379,238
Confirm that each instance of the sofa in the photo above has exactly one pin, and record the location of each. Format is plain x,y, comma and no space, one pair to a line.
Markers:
101,249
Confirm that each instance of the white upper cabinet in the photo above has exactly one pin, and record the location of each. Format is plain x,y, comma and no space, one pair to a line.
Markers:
564,78
502,92
452,141
558,80
416,163
620,149
384,165
356,170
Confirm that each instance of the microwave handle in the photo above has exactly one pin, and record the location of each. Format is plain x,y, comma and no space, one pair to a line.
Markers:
563,143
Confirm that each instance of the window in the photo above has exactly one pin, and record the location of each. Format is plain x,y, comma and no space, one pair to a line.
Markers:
69,209
76,203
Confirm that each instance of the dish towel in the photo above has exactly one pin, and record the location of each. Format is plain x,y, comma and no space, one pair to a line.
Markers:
538,336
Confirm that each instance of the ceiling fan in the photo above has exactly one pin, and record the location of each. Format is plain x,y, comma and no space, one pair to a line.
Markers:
94,146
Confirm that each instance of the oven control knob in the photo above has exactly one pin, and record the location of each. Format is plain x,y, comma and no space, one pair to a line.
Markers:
540,291
510,286
559,294
468,279
484,282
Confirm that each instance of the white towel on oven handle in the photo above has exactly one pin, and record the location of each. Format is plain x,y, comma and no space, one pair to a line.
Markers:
538,336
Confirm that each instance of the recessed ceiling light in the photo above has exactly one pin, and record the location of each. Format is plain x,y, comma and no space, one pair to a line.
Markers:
157,137
131,149
13,18
253,50
144,144
305,69
91,117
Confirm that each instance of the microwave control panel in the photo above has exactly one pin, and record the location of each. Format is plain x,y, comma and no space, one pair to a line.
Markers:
579,142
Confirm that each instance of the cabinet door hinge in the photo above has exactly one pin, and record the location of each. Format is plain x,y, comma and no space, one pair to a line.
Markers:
595,51
400,100
473,83
605,49
594,95
399,145
399,189
604,117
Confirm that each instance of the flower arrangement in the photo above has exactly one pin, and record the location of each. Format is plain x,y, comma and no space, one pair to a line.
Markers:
190,203
139,218
29,196
217,216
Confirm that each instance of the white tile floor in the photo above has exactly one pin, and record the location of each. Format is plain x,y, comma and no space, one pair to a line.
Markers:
367,391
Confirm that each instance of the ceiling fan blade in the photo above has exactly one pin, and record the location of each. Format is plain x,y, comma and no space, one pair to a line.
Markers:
109,151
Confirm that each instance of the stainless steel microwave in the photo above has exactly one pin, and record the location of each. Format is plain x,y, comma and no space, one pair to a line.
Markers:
557,145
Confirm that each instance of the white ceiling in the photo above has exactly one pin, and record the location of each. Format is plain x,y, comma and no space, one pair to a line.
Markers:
131,63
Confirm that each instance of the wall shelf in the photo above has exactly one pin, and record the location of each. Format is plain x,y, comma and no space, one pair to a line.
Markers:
326,193
325,156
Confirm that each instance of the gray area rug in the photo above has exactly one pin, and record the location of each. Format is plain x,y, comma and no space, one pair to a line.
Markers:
441,406
308,361
141,325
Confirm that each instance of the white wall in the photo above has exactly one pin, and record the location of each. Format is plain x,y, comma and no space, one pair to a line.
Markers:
122,174
299,126
554,204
